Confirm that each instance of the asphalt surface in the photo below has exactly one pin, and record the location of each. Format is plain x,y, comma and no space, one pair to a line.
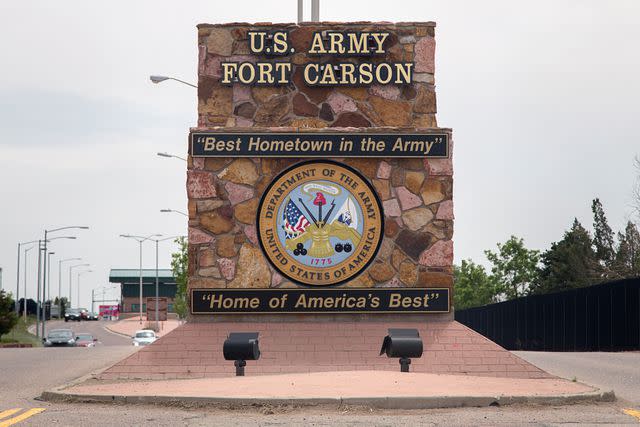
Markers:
614,371
96,328
25,373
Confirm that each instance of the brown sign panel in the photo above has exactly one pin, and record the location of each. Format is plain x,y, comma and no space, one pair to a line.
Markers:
320,300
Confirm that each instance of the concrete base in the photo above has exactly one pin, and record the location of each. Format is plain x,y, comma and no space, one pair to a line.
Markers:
374,389
194,350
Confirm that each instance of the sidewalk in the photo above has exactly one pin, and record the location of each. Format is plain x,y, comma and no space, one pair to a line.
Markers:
128,327
382,389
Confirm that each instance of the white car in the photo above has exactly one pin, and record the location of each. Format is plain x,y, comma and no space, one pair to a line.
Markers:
144,337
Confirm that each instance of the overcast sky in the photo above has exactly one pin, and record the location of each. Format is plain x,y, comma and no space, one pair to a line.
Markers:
543,98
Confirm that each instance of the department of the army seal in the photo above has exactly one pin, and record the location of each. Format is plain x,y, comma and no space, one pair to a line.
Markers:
320,223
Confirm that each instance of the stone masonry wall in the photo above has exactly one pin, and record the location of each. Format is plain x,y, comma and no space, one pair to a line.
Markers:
417,249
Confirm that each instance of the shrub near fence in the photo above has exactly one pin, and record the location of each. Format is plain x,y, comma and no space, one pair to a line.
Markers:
603,317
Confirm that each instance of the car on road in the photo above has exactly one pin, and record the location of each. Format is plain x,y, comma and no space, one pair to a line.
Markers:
73,314
92,315
85,340
144,337
59,338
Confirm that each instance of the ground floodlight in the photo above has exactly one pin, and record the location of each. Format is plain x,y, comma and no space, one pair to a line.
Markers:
402,343
240,347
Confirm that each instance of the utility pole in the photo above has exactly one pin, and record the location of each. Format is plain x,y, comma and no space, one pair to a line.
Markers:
24,305
38,288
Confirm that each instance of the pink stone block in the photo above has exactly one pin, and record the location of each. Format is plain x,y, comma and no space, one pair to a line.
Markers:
251,233
198,163
241,93
445,210
340,103
227,268
197,236
408,200
424,55
211,66
393,283
238,193
202,54
384,170
276,278
200,184
438,255
391,208
439,166
243,123
385,91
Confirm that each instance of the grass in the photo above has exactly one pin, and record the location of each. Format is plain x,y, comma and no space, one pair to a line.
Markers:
20,334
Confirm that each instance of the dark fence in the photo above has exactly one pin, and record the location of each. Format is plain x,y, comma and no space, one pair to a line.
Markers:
603,317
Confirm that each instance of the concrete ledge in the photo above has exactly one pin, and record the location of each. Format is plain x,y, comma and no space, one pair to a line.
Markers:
372,389
390,402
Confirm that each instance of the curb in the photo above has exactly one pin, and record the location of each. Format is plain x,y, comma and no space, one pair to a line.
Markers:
108,329
389,402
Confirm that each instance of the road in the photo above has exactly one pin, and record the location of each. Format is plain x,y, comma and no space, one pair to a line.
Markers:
96,328
24,373
615,371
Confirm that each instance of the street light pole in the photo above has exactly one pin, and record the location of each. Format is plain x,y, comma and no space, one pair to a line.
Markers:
60,283
171,155
80,273
158,79
24,305
70,270
175,211
49,277
18,276
157,279
44,278
140,240
41,299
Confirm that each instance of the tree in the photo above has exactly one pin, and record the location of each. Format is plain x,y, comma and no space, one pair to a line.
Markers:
603,238
180,267
8,318
515,267
627,258
569,263
473,286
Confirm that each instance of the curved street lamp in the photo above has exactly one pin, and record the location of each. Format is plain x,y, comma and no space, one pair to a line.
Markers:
140,240
60,283
71,271
18,275
80,273
171,155
173,210
40,315
160,79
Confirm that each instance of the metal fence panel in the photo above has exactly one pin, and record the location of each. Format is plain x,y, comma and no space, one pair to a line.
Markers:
604,317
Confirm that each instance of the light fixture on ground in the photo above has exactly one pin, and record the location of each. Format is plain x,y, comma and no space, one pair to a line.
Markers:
171,155
240,347
173,210
160,79
402,343
140,240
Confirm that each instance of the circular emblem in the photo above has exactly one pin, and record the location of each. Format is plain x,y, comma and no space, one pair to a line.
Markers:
320,223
